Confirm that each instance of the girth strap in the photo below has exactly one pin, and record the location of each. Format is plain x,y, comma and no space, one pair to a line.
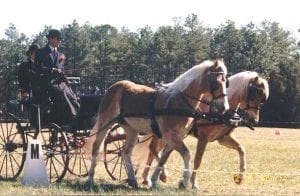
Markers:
152,113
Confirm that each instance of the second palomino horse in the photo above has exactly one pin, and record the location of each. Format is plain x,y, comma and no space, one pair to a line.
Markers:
168,113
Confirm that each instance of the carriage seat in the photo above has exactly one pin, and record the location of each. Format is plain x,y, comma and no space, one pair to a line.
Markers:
89,105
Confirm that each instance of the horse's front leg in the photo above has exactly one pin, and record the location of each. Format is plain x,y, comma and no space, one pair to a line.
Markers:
131,138
155,146
145,174
231,142
201,145
185,153
164,157
174,141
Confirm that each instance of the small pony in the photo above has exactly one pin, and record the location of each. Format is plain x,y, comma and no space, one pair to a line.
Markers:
168,112
247,91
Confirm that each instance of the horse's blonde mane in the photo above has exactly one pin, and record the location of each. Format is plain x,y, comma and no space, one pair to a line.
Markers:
240,81
184,80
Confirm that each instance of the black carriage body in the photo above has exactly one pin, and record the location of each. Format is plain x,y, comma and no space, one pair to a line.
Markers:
89,105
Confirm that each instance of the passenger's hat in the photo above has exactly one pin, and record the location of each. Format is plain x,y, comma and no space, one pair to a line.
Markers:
32,48
54,33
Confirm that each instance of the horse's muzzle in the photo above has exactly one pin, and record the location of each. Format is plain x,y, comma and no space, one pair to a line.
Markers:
250,119
218,107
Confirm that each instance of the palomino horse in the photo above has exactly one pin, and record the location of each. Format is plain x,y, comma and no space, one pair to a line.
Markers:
167,112
246,91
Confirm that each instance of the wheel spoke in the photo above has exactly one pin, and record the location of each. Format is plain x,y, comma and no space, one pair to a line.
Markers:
84,163
10,130
2,164
12,142
121,169
116,163
54,168
3,136
73,166
59,161
11,165
55,144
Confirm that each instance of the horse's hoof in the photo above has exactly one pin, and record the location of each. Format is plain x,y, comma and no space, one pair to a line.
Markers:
145,182
238,178
153,185
88,185
132,183
195,187
182,185
163,178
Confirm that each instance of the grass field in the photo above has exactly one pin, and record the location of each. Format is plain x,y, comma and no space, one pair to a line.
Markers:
273,168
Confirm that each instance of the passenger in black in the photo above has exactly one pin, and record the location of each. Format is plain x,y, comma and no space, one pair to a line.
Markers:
28,81
25,72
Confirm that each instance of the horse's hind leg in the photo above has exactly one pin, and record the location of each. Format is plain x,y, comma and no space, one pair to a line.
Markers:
96,145
131,139
231,142
201,145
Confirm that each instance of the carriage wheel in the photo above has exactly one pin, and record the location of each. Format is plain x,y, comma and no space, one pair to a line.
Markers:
79,163
12,147
55,149
113,161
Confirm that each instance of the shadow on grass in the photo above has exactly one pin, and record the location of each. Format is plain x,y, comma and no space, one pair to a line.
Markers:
97,187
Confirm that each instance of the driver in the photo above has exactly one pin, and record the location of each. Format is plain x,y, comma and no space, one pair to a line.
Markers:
49,66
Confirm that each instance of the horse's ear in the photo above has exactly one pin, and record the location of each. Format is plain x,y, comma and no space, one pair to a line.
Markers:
216,63
267,78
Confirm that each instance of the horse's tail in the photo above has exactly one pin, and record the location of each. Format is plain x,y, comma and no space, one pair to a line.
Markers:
108,112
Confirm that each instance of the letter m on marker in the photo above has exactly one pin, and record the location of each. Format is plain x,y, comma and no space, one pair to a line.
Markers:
34,151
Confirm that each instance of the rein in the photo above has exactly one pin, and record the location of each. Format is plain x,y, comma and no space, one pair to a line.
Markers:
253,91
210,103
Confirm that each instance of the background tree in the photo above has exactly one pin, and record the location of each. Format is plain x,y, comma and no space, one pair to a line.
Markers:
12,52
227,43
76,47
197,39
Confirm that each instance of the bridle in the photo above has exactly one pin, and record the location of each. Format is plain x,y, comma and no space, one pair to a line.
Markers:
213,84
253,91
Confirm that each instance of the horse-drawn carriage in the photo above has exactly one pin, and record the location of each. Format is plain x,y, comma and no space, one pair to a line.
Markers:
63,145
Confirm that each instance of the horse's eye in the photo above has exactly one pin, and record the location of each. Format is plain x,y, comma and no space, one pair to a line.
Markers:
227,83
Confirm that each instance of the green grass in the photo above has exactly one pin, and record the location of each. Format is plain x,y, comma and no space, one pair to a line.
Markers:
273,168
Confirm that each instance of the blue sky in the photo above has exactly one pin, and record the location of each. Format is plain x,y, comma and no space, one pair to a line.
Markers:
30,16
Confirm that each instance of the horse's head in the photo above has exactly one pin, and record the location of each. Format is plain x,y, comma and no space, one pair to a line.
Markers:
257,94
218,82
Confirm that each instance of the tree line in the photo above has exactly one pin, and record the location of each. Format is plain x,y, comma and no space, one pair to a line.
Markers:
102,55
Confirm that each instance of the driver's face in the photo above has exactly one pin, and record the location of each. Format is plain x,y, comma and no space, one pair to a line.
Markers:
55,42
